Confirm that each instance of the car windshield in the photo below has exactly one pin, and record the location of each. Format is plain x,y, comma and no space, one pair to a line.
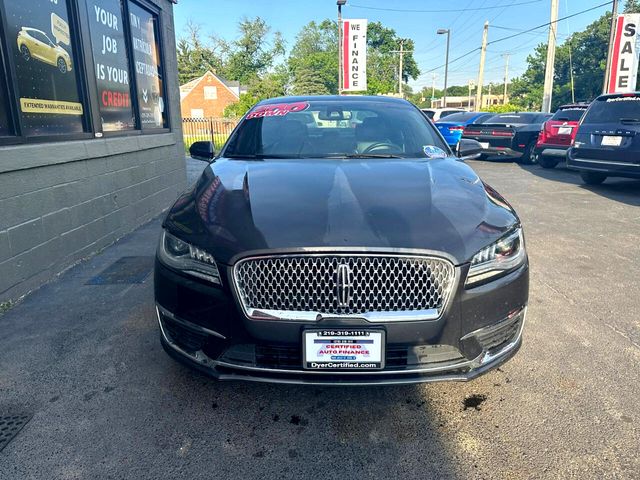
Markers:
335,129
459,117
613,110
514,118
569,114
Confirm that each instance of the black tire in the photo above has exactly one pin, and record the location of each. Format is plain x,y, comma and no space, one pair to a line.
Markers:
62,65
527,157
25,52
593,178
547,162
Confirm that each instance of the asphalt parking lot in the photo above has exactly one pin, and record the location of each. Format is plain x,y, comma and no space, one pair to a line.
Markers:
107,402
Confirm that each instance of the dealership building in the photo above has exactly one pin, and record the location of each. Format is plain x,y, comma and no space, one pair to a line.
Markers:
90,130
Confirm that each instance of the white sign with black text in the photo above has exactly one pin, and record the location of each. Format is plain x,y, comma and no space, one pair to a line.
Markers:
354,54
624,60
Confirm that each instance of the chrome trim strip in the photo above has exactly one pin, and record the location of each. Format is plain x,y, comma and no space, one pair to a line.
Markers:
605,162
378,317
188,324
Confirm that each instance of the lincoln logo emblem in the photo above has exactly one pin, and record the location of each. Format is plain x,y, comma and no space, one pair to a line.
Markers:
344,285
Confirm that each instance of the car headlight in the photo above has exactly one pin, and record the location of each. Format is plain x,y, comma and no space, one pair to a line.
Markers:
497,259
187,258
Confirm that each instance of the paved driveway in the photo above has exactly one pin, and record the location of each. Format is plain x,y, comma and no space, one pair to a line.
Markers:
107,402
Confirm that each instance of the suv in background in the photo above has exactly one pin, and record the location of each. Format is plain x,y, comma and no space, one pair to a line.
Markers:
557,135
509,134
608,140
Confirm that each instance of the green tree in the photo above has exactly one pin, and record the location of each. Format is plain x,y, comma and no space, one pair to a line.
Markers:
195,58
253,53
316,50
306,82
272,84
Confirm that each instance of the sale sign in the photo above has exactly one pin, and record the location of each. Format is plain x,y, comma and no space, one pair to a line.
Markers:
624,59
354,55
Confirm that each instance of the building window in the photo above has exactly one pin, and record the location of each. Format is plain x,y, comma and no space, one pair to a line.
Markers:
148,67
210,93
197,113
39,38
111,65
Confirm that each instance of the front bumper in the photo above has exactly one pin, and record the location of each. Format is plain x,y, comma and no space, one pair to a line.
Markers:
201,326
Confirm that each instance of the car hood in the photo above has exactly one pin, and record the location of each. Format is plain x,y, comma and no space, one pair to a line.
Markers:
240,207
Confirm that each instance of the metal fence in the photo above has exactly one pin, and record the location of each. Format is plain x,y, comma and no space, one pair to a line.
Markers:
217,130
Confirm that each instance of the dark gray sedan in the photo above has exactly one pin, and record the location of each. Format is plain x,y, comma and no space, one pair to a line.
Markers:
338,240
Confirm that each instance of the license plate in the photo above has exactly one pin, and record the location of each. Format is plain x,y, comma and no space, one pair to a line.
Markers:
343,349
564,131
484,145
611,141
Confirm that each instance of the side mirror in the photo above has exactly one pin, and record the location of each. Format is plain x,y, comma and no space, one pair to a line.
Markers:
202,151
468,149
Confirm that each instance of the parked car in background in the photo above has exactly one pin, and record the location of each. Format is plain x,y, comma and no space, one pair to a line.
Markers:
349,254
509,134
436,114
557,135
452,126
607,143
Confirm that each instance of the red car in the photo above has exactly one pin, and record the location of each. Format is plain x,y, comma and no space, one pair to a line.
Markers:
557,135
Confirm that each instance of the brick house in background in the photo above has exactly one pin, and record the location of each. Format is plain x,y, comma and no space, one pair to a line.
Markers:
208,96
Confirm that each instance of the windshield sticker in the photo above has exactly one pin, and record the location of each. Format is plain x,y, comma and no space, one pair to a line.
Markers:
623,99
277,109
431,151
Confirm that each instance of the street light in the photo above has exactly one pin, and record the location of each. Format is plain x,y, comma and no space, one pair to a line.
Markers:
442,31
340,3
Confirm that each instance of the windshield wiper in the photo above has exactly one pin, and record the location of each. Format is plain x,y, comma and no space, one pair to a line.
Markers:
368,155
630,120
259,156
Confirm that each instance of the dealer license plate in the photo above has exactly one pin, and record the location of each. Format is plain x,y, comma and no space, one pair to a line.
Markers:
343,349
611,141
484,145
564,131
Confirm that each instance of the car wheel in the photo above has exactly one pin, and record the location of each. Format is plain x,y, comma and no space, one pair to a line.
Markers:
527,157
24,51
593,178
62,65
547,162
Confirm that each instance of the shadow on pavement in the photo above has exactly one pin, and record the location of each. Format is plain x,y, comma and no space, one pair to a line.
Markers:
619,189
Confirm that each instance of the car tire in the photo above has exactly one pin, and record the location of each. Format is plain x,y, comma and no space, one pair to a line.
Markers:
62,65
527,157
593,178
547,162
25,52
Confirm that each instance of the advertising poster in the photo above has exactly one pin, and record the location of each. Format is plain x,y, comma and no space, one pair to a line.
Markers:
624,61
147,65
354,50
40,48
111,64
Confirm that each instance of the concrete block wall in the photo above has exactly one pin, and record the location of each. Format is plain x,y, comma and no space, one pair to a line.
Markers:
53,214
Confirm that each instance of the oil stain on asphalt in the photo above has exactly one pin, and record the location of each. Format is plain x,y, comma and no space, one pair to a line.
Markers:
474,401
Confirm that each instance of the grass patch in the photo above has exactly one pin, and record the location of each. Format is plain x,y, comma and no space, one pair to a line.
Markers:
5,306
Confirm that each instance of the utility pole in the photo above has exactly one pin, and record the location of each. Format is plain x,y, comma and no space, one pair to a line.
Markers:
340,3
612,33
551,58
400,69
469,98
433,88
442,31
506,77
483,55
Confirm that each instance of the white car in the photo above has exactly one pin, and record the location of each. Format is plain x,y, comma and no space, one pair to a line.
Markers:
436,114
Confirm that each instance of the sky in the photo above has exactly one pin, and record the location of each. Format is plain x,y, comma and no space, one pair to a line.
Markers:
465,19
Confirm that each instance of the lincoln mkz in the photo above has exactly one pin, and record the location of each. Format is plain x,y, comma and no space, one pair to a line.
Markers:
339,240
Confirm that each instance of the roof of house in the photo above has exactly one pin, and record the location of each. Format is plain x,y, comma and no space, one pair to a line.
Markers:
189,86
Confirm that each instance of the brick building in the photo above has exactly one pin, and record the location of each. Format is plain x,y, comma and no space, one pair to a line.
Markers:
208,96
91,145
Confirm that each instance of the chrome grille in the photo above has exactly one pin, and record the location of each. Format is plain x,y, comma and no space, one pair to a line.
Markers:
376,287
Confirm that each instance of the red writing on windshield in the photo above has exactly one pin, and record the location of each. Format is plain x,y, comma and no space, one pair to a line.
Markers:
277,109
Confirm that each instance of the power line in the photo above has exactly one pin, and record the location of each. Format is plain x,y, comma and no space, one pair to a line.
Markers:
520,33
549,23
441,11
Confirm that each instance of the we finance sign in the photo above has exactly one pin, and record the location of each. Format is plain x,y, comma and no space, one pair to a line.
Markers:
354,54
624,60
